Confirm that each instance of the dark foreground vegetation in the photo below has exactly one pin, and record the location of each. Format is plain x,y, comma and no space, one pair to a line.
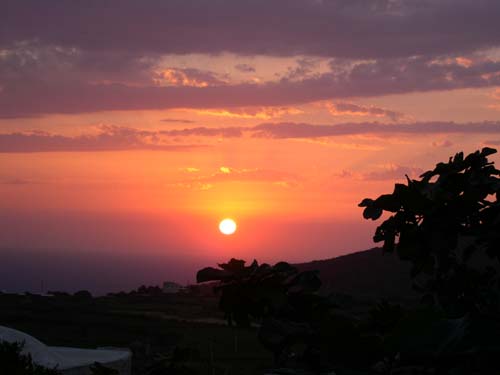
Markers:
431,306
163,331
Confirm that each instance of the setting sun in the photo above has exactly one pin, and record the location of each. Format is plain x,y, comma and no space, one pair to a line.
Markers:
227,226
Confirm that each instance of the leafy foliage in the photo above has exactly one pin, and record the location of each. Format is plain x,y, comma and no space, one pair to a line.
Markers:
258,290
13,362
442,223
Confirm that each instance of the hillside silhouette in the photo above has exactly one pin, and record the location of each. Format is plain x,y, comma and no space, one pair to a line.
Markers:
365,273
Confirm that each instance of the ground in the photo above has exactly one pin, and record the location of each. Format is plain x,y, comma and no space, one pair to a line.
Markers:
152,326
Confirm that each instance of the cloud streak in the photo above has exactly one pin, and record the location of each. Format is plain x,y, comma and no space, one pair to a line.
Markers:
226,174
384,173
303,130
109,138
392,172
352,109
116,138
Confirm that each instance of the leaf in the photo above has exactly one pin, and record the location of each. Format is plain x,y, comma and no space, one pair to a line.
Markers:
365,202
234,265
388,202
211,274
487,151
372,212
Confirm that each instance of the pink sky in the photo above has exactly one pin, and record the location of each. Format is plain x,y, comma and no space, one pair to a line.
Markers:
131,130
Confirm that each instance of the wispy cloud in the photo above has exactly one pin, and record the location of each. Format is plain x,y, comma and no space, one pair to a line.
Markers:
303,130
257,175
245,68
443,143
187,77
115,138
352,109
15,181
391,172
262,113
382,173
177,120
190,169
492,142
202,131
496,97
108,138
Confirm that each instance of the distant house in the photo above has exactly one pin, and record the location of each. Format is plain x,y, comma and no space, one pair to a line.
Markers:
171,287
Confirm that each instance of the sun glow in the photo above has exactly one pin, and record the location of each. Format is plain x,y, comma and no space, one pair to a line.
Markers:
227,226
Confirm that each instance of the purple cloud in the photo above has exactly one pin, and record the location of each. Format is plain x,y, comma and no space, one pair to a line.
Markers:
355,28
177,120
351,109
393,172
245,68
116,138
186,77
444,143
228,132
301,130
39,95
388,172
109,138
492,142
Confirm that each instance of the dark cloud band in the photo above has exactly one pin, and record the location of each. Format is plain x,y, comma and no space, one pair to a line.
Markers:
39,95
341,28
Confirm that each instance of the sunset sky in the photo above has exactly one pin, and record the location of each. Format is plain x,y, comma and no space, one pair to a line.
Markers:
129,129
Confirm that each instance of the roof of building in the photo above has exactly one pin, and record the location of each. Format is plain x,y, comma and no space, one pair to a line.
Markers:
61,357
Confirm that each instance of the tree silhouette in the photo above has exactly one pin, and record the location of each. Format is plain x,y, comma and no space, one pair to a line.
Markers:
447,224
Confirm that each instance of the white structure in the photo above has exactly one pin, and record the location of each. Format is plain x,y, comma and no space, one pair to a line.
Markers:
70,361
171,287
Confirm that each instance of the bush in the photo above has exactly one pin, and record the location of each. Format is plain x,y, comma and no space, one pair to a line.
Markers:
13,362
